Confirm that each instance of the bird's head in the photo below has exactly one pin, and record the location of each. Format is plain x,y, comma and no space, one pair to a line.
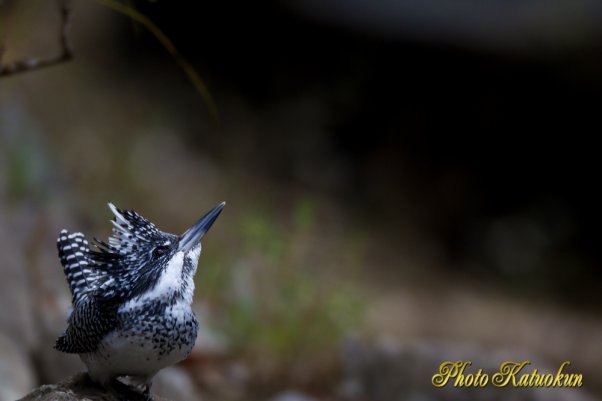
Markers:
149,262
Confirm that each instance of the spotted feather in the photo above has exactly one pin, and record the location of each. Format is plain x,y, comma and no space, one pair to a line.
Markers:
80,271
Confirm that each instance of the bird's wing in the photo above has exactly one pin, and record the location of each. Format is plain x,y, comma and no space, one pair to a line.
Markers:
81,272
91,320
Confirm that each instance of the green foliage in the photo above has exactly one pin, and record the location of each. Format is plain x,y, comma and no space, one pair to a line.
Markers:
23,161
276,303
20,176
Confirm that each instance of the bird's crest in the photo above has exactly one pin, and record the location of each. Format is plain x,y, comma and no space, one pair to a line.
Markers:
130,231
130,244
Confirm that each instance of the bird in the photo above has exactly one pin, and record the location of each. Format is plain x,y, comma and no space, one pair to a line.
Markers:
131,299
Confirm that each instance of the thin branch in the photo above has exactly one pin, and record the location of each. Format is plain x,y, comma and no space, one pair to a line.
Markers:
194,77
30,64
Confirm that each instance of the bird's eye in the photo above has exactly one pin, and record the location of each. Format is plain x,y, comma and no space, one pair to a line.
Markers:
160,251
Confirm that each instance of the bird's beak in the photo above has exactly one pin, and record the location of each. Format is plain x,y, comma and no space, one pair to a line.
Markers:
193,235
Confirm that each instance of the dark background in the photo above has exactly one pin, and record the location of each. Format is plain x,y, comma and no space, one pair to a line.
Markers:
471,134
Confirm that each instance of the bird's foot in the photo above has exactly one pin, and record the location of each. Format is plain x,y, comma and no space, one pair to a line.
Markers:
147,394
123,392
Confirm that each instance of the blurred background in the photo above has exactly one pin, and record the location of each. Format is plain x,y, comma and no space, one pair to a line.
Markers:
407,183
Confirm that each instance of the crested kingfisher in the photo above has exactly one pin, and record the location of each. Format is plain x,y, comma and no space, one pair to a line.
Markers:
131,298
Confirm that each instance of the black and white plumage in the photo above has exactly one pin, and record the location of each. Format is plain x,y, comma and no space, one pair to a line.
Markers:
131,297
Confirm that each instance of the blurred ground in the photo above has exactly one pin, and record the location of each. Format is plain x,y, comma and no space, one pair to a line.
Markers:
434,192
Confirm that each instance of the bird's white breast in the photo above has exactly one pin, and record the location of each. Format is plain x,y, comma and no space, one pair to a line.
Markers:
145,347
170,281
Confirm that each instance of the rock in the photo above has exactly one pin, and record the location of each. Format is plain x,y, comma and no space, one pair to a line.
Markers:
176,383
76,388
292,395
16,374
